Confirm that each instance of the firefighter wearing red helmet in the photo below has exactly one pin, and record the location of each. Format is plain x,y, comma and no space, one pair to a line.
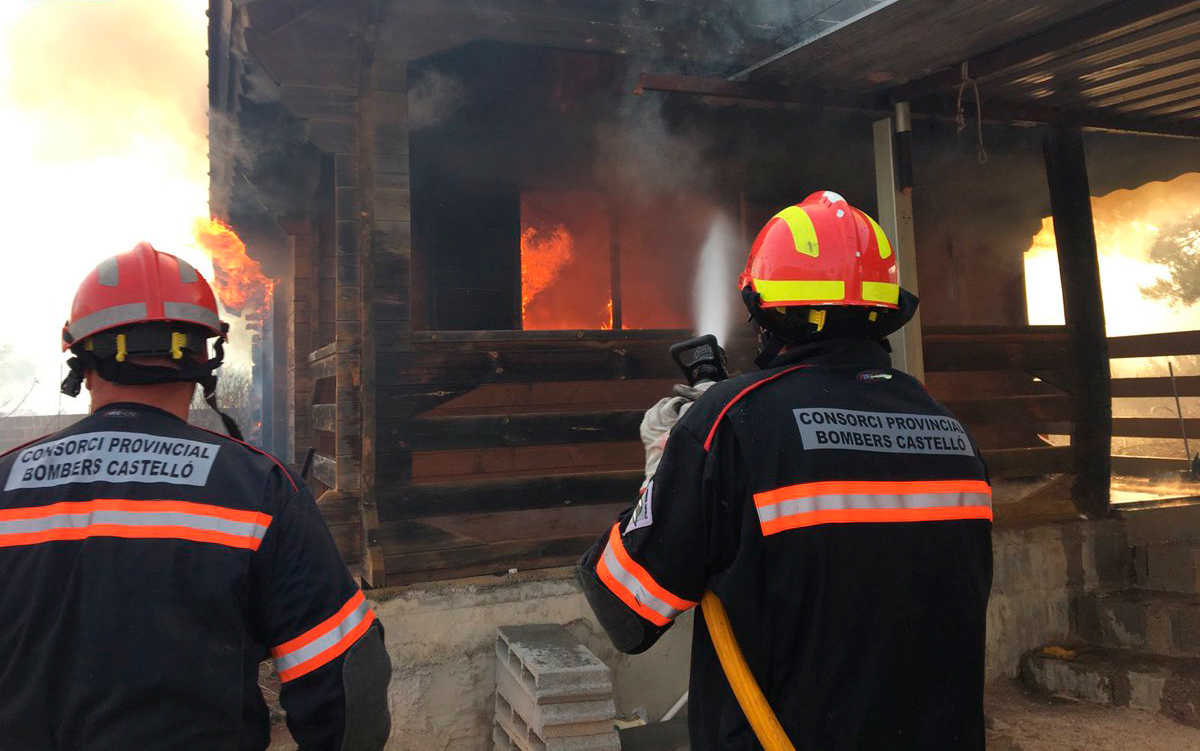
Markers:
150,566
831,516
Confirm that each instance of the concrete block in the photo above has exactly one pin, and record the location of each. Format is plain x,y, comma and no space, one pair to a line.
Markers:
1164,623
557,719
1169,567
551,664
1123,678
521,736
552,693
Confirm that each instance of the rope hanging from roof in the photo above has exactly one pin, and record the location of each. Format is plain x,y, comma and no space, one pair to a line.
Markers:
960,117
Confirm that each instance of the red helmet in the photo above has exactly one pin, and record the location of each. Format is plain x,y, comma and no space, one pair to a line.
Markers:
141,286
822,251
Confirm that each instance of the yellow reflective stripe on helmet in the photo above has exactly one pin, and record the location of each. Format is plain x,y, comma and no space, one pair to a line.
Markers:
881,292
794,291
885,247
804,234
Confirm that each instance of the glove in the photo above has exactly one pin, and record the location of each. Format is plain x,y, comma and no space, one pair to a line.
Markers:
661,418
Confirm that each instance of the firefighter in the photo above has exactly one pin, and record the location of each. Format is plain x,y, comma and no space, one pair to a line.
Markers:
150,566
825,506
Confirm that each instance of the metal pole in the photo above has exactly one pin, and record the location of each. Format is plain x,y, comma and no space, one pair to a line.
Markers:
1179,411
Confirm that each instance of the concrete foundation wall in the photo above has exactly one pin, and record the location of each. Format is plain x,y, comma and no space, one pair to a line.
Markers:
441,639
1038,573
441,635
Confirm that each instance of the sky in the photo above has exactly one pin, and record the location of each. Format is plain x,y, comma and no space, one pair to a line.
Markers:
104,142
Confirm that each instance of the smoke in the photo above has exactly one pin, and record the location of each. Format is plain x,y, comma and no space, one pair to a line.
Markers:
94,78
102,107
714,308
434,97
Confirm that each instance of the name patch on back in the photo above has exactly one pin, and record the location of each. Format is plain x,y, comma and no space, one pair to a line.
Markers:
886,432
113,457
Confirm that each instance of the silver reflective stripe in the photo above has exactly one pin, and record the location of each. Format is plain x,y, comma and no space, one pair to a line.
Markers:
106,319
630,582
187,274
134,519
325,641
183,311
108,274
883,501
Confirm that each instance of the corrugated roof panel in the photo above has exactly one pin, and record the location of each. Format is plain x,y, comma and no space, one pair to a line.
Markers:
1127,58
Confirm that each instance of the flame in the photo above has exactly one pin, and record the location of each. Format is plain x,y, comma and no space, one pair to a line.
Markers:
607,323
239,280
1127,223
544,253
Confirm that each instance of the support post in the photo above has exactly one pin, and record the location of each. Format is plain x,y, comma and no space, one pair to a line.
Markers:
1083,306
893,191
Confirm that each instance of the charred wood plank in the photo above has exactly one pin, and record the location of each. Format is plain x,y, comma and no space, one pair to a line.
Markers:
1154,427
1147,466
1014,409
495,558
324,417
466,530
1155,386
324,469
549,491
1155,345
522,461
522,430
1027,462
978,352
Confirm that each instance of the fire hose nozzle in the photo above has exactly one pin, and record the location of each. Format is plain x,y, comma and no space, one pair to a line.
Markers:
700,358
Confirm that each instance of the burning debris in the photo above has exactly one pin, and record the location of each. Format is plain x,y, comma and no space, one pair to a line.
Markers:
241,285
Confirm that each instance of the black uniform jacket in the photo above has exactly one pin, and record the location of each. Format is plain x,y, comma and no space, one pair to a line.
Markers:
146,568
843,517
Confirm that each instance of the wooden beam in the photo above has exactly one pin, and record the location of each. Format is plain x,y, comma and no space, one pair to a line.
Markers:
1154,386
1083,306
1029,351
1155,427
523,430
1029,408
1027,462
928,107
1155,345
493,558
325,470
324,417
415,501
760,92
1147,466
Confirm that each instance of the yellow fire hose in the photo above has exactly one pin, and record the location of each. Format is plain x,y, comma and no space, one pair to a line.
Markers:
749,696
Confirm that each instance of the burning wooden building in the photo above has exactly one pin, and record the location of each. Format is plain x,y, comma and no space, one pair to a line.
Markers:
484,222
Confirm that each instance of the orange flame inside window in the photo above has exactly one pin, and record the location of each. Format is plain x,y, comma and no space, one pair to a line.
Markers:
239,280
544,253
566,249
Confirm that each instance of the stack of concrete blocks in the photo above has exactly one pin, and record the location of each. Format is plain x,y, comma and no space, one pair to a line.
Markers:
552,693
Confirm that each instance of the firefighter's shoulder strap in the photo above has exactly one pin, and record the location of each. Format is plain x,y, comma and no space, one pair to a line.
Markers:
749,696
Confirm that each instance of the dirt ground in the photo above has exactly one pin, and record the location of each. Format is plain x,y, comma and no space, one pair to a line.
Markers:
1017,722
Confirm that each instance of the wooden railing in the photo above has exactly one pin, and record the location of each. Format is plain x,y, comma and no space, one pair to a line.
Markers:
1042,352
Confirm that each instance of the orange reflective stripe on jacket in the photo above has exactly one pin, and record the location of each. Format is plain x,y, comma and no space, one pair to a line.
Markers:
116,517
324,642
634,586
867,501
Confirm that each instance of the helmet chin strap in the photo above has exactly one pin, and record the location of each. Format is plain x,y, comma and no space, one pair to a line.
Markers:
773,337
136,374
